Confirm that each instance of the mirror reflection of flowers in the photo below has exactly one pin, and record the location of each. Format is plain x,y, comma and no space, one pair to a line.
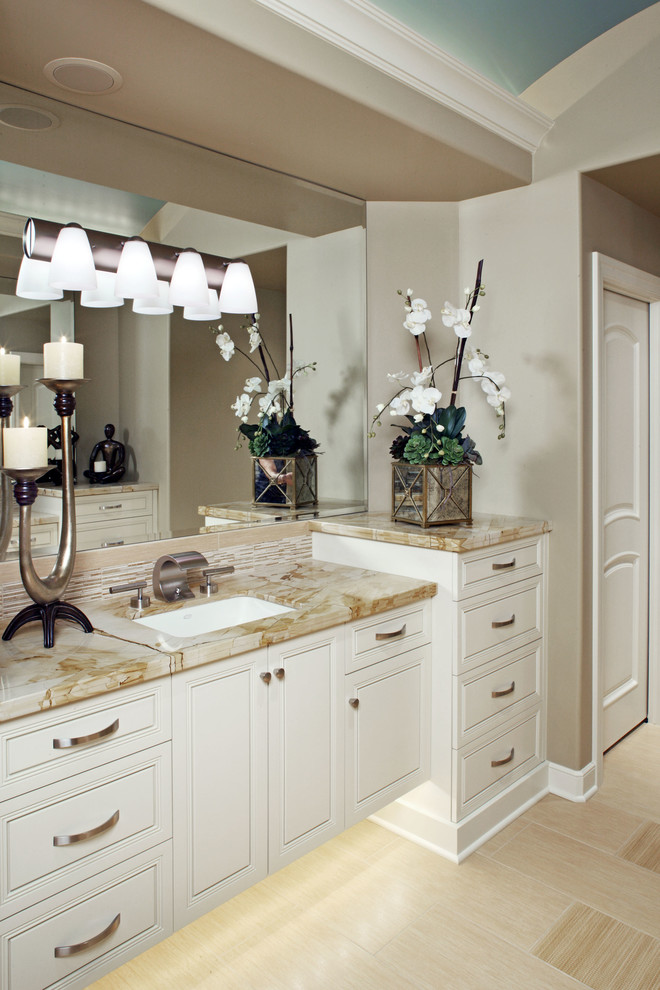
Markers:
276,432
435,432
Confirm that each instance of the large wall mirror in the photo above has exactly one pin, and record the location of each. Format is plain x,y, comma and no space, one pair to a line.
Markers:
161,380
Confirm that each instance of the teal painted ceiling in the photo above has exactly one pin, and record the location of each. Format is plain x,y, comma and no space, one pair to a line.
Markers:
511,42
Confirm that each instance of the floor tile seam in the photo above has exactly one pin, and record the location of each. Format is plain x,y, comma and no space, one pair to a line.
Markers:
482,849
405,928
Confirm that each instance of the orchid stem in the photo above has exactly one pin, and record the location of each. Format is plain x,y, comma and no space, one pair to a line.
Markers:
461,345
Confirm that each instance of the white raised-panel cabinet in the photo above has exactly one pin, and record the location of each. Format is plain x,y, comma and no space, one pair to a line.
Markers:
220,771
305,745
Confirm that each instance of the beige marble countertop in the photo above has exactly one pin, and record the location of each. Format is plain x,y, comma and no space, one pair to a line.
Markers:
83,488
485,531
120,652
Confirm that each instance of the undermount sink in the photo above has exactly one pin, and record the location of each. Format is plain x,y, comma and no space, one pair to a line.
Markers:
195,620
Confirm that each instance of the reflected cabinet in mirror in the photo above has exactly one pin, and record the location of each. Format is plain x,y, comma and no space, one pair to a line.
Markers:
161,380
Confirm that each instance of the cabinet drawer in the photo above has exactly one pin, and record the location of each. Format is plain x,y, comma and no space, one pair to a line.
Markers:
73,939
68,832
499,623
487,767
496,692
114,505
382,636
499,566
106,533
45,535
42,748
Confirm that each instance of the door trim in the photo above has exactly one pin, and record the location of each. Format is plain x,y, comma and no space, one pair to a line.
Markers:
607,273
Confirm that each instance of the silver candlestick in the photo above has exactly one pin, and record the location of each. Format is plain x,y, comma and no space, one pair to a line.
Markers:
7,392
46,592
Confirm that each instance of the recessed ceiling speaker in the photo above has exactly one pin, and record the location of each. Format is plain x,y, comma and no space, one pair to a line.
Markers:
26,118
83,75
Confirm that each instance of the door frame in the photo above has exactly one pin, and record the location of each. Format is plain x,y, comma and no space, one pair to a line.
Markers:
607,273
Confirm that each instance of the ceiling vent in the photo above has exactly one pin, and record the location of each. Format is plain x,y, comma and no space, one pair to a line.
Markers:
83,75
26,118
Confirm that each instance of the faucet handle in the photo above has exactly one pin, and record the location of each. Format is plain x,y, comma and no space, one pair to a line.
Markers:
138,601
211,587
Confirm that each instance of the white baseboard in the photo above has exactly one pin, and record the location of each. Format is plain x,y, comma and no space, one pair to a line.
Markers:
574,785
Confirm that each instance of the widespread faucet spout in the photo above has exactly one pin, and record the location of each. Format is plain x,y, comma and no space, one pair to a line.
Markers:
170,579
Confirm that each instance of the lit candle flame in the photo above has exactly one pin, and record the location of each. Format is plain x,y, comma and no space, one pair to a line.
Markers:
2,350
26,422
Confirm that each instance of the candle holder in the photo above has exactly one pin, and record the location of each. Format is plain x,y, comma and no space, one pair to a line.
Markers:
7,392
46,592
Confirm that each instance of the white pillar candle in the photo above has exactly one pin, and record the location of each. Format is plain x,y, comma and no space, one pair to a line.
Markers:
10,368
99,467
63,360
26,446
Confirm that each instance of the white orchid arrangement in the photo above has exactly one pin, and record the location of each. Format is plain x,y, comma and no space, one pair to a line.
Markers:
276,433
435,432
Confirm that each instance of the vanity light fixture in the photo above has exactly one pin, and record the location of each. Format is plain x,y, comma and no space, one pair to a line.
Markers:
104,295
72,263
209,312
32,281
237,294
189,286
156,305
136,274
183,274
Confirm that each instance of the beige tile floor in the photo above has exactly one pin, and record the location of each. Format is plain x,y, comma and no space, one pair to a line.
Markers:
568,896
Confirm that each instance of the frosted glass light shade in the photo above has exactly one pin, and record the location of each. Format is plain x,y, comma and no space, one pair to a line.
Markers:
209,312
103,297
136,274
32,281
72,264
188,286
156,305
237,293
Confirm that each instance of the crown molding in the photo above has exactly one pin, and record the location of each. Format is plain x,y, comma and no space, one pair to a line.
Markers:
362,30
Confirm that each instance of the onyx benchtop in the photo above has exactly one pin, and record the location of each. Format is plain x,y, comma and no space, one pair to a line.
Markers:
120,652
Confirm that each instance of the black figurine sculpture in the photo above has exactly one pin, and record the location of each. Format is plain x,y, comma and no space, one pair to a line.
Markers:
112,453
54,475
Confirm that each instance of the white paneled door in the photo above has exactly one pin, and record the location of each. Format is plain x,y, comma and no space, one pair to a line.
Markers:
624,453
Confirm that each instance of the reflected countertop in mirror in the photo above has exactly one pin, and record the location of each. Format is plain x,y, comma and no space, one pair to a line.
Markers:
248,513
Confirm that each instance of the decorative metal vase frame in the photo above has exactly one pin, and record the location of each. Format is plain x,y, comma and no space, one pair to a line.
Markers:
46,592
431,494
303,489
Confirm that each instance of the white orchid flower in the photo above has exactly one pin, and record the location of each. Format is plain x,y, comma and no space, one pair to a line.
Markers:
242,405
279,385
255,340
419,306
398,377
418,417
459,319
269,405
226,345
422,377
380,407
424,400
252,384
400,404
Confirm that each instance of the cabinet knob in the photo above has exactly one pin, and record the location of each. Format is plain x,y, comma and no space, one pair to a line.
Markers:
279,673
266,678
354,702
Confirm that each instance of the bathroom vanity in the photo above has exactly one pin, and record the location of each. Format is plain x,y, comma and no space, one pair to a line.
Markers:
186,770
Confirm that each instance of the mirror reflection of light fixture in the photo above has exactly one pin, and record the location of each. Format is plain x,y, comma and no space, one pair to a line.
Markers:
32,281
103,297
72,263
136,274
209,312
237,294
188,286
156,305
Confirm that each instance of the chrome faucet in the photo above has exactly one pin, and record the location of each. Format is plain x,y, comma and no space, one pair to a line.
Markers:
170,579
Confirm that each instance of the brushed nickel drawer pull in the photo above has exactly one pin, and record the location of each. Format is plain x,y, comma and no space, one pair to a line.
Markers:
499,623
391,635
503,567
504,691
68,840
61,951
501,763
115,543
108,508
92,737
354,702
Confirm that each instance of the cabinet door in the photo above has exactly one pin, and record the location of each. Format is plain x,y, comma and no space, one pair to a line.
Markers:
305,746
387,732
220,782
